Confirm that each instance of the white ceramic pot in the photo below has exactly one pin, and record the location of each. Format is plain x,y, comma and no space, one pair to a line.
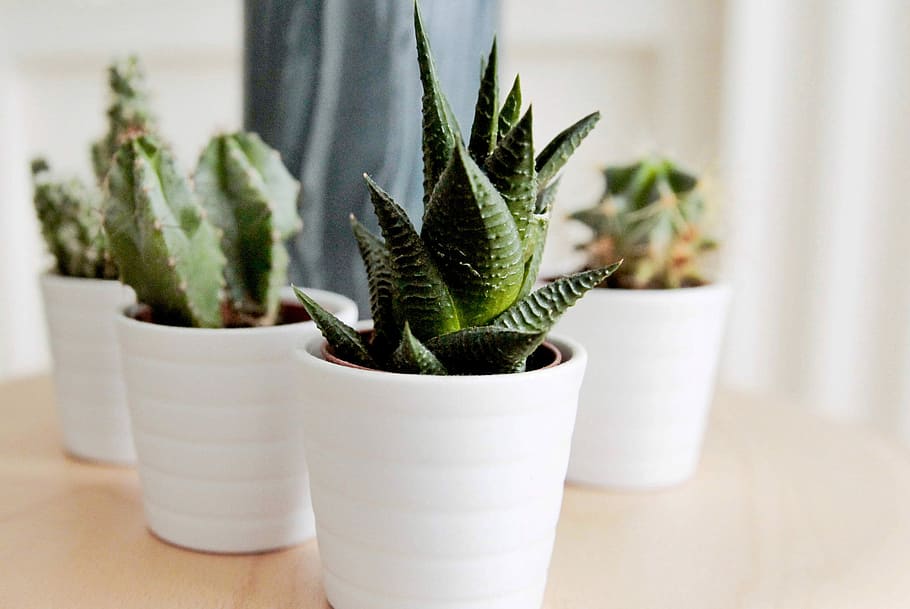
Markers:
437,492
218,431
91,399
645,400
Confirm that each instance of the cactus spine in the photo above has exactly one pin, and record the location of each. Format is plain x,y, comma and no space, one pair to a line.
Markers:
651,215
250,196
165,248
456,298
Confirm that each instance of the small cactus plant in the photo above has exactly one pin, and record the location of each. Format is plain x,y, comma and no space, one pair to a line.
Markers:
70,211
128,114
179,247
456,298
651,215
70,217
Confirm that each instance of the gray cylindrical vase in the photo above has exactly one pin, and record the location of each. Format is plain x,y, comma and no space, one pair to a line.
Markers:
334,86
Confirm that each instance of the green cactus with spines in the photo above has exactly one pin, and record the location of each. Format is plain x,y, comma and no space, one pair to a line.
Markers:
70,217
128,115
652,215
159,236
250,196
456,298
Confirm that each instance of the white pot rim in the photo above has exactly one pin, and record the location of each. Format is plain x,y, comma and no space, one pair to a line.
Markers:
572,351
336,300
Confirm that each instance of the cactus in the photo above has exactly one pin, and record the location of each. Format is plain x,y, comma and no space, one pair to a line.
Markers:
651,215
70,218
456,298
128,115
159,236
250,196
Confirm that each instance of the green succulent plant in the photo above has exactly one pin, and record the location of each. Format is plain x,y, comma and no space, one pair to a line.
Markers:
70,217
179,246
651,215
128,114
457,297
70,211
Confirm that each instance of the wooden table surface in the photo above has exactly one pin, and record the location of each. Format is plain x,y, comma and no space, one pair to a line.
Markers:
787,511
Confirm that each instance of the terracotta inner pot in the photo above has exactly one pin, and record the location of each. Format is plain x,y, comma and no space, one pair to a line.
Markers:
545,356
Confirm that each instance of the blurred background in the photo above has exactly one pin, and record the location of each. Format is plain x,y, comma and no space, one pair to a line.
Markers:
797,112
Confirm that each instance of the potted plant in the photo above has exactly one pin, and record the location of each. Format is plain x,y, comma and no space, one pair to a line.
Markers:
653,334
438,440
81,292
207,352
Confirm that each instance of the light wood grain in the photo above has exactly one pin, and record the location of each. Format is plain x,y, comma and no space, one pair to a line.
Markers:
787,512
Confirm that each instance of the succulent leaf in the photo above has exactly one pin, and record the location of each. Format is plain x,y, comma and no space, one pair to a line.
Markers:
469,231
345,341
511,109
381,279
439,125
413,357
511,170
485,127
425,299
558,151
538,311
485,349
159,237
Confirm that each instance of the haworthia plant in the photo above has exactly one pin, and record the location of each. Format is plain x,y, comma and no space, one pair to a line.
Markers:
652,215
250,196
456,298
69,213
128,114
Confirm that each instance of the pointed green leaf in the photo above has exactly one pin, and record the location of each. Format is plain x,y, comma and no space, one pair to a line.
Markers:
486,111
643,187
618,178
413,357
439,126
381,281
557,152
473,240
534,243
546,197
344,340
680,181
425,299
511,109
538,311
597,219
485,350
511,170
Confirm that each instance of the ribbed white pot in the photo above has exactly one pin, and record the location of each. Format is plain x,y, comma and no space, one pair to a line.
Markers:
437,492
218,431
91,399
645,400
